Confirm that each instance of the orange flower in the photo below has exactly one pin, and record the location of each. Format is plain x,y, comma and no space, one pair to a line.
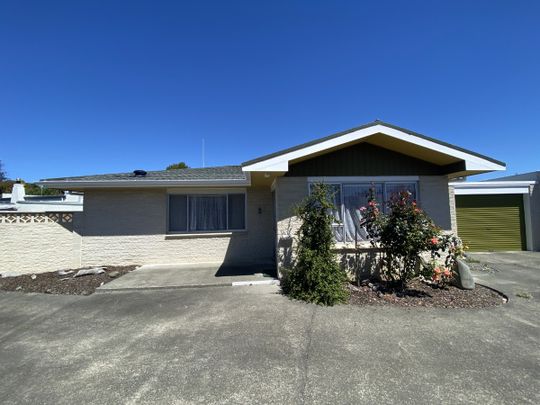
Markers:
447,273
434,241
436,270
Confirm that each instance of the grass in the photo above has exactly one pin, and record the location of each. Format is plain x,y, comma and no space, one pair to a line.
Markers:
523,294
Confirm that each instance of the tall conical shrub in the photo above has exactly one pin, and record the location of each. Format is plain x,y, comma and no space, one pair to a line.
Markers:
316,276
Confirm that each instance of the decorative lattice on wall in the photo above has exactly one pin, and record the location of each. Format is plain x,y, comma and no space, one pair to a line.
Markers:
36,218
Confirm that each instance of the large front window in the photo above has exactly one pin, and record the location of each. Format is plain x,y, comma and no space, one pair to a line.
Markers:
348,198
207,212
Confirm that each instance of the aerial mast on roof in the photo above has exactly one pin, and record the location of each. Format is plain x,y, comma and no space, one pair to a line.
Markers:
203,163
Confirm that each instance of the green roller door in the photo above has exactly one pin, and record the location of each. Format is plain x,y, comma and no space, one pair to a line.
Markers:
491,222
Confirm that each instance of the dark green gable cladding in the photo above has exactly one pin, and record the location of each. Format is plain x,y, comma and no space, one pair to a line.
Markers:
491,222
364,159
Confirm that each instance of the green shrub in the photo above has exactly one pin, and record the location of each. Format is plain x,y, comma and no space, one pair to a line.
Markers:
403,234
316,276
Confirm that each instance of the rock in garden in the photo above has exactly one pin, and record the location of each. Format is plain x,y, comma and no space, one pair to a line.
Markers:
19,288
89,272
64,272
33,276
114,274
464,280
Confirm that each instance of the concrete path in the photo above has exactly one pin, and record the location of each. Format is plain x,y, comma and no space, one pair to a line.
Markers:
154,277
510,272
252,345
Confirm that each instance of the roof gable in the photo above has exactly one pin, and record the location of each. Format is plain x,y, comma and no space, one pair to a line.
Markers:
280,161
366,159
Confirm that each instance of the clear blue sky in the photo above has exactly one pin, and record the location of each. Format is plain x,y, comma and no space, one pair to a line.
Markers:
100,86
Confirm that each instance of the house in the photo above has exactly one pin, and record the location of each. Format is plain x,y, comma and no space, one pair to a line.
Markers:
19,201
245,214
500,214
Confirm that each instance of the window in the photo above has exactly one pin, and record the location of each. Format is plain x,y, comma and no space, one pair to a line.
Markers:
350,197
207,212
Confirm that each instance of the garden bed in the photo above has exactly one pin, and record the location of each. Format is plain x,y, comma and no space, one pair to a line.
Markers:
55,283
420,294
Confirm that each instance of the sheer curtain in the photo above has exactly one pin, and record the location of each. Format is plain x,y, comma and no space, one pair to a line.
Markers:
393,189
207,213
355,196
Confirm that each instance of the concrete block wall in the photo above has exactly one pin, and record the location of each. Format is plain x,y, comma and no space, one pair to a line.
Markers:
130,227
535,215
33,243
453,212
290,191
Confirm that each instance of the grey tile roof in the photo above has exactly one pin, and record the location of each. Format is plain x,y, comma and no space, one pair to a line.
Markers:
191,174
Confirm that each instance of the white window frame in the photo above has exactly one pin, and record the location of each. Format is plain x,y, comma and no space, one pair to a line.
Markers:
208,193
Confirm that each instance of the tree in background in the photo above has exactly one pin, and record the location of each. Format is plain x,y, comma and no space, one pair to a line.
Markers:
316,275
179,165
29,188
3,176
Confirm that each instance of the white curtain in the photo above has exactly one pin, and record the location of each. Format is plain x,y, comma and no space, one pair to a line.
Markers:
355,196
207,213
393,189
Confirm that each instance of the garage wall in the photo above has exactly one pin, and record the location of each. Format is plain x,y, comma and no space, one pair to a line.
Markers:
535,215
39,242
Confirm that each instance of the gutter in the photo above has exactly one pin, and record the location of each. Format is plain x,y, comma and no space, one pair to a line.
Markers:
82,184
492,187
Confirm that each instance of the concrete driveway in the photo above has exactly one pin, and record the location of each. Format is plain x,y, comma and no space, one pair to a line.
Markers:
173,276
252,345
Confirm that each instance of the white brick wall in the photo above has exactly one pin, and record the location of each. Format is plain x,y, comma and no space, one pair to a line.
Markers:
290,191
38,247
130,227
453,214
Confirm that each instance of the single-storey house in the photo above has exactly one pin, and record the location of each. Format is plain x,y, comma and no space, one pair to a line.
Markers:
500,214
245,214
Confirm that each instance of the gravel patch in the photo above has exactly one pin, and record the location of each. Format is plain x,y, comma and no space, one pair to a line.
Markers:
55,283
420,294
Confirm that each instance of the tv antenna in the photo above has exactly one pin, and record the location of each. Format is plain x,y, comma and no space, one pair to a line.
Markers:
203,162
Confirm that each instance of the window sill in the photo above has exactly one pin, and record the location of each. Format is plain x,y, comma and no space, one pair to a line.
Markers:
351,247
222,234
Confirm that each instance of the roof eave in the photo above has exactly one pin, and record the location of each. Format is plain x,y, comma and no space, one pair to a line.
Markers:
279,162
89,184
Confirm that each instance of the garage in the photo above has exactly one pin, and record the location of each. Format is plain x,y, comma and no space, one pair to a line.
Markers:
494,215
491,222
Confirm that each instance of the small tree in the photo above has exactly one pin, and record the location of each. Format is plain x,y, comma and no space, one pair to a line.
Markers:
403,234
316,276
179,165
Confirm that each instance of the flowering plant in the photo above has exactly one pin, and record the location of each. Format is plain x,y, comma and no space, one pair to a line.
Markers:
403,234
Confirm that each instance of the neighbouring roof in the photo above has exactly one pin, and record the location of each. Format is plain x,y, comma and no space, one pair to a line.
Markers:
191,176
278,161
532,176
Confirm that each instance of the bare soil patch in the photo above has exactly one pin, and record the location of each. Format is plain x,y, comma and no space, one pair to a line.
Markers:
420,294
54,283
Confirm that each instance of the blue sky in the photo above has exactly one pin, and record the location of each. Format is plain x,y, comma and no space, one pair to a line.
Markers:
99,86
